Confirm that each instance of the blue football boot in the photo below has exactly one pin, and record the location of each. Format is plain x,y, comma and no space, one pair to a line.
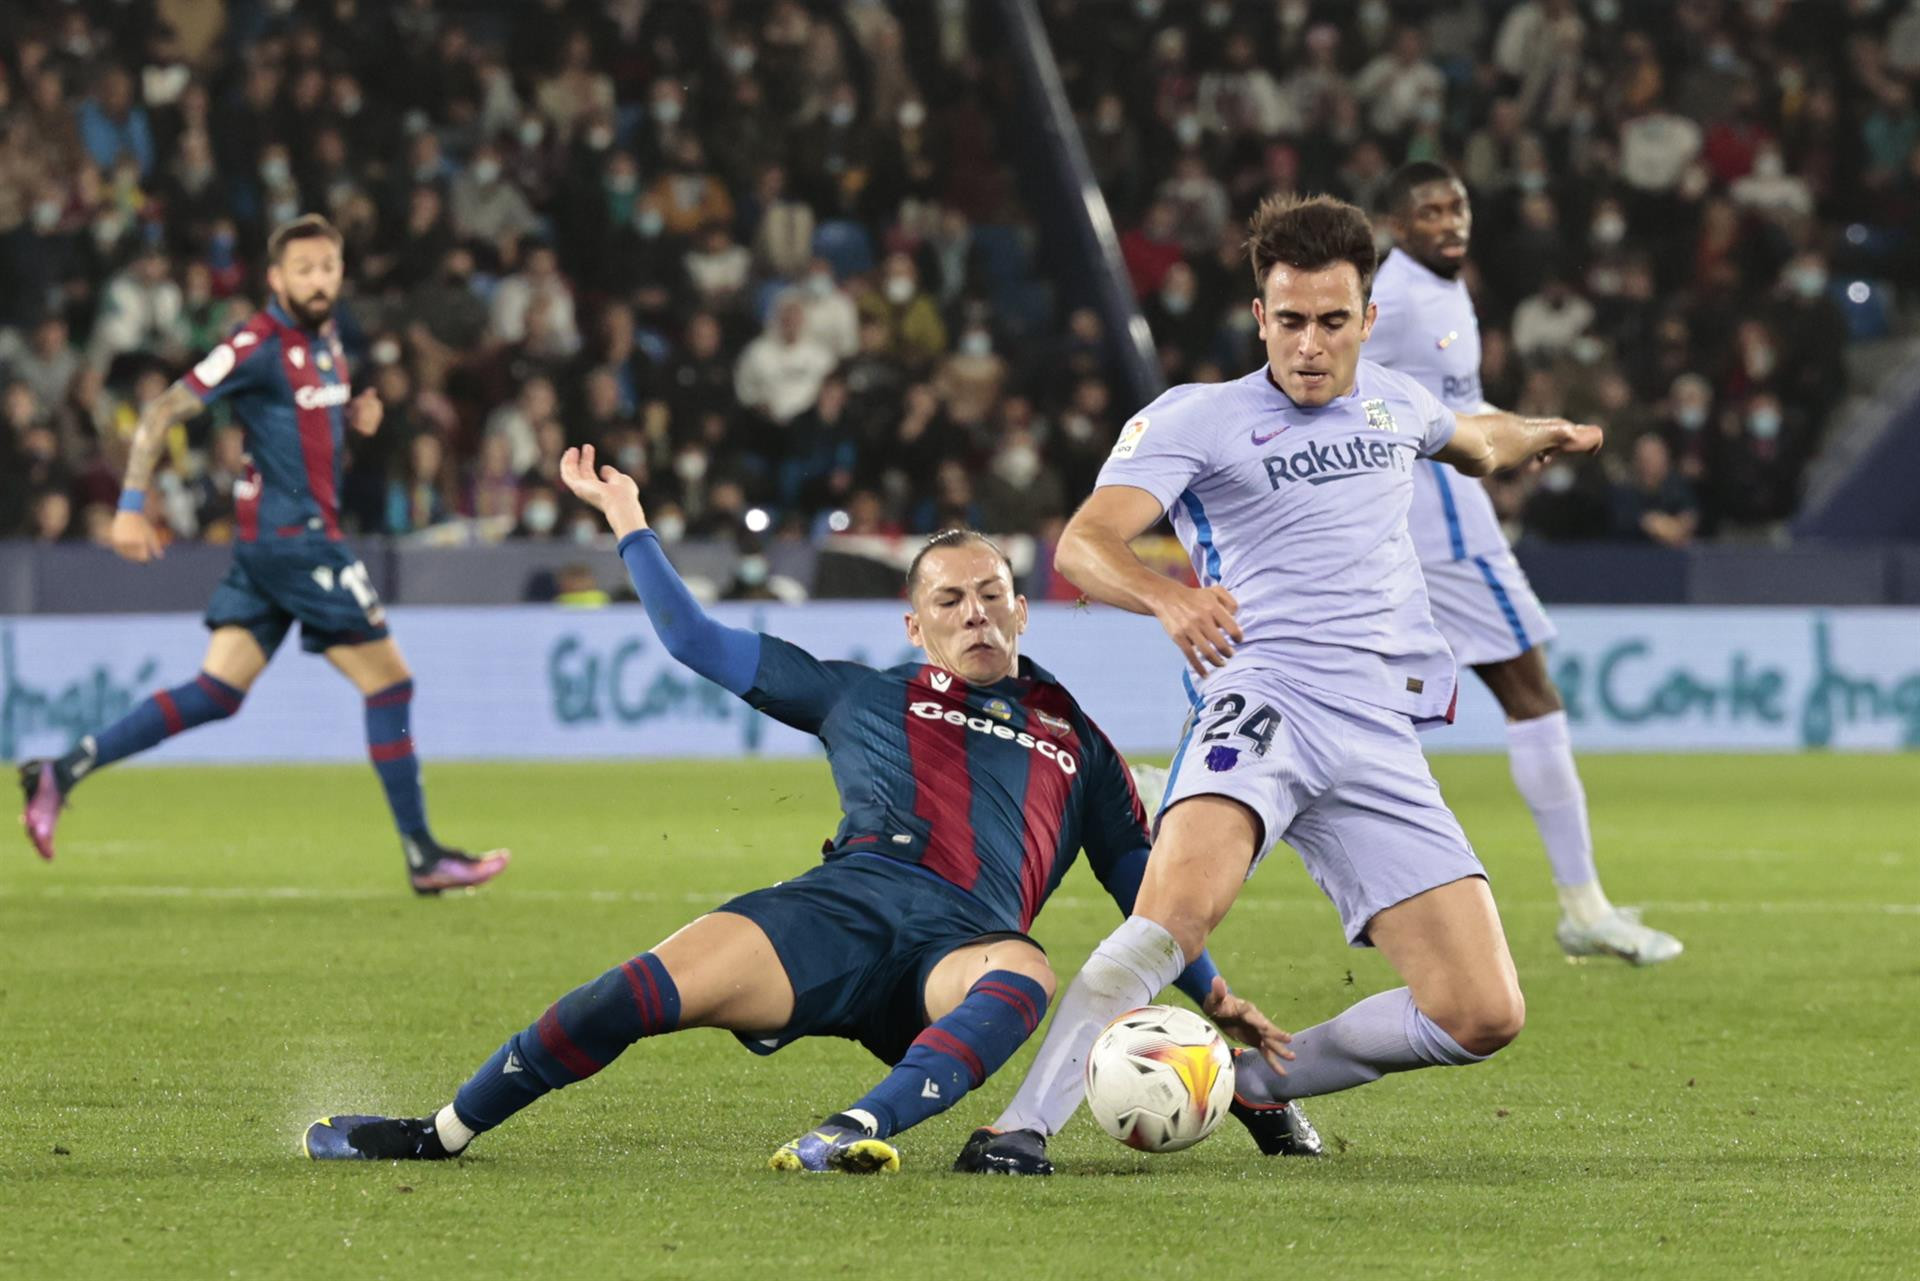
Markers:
836,1145
374,1138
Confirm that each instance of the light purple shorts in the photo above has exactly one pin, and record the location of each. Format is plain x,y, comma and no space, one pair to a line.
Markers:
1343,782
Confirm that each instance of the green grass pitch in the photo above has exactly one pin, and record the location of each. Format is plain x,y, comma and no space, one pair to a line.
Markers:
219,956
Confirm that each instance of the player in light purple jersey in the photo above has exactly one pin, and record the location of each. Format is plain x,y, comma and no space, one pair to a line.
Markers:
1482,602
1316,654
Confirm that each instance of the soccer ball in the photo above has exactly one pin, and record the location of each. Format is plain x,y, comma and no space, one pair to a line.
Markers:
1159,1078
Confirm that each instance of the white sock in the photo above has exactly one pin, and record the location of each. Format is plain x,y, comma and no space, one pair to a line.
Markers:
1540,754
1384,1033
454,1134
1126,971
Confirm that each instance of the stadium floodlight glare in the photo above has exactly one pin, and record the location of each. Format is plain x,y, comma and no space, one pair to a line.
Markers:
1859,291
838,521
758,520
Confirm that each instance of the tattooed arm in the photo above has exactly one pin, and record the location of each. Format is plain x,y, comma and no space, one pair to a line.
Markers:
132,534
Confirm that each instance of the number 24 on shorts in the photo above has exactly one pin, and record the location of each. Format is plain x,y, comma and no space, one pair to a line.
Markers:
1228,718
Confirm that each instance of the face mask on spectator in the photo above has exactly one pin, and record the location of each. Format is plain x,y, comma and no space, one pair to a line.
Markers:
1147,9
670,527
840,114
1428,112
1763,423
283,211
1609,229
1691,417
631,458
740,58
350,105
386,352
690,466
108,228
540,516
1558,478
666,111
275,171
1219,15
600,137
46,215
622,184
1531,180
1809,282
820,284
1187,130
1177,303
1017,465
912,115
1759,361
976,343
649,223
752,571
899,290
1606,12
486,172
1768,164
532,133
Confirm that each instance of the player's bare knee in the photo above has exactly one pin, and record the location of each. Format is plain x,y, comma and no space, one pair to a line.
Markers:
1486,1025
1028,962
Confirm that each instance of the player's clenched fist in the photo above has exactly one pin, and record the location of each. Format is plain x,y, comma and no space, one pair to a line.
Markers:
1200,620
609,491
133,537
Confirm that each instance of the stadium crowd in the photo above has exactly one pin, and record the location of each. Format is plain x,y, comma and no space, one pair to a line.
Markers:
771,257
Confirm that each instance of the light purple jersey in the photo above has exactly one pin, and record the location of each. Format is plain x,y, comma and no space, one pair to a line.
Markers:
1301,513
1427,329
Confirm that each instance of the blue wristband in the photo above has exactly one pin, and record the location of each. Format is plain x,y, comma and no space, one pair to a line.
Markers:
133,500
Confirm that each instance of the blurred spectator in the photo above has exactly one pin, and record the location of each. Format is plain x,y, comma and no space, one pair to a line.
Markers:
534,306
485,206
916,335
112,125
1654,505
1021,490
780,372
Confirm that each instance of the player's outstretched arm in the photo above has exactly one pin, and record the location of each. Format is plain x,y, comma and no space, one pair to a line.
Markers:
1486,443
1096,555
727,656
132,533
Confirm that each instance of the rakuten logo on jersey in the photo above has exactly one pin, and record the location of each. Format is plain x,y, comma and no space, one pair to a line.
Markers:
930,711
321,397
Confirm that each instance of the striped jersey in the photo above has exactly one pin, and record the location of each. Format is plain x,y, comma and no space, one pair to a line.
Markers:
289,388
993,788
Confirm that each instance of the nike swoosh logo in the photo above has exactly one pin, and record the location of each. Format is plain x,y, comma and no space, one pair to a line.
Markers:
1258,439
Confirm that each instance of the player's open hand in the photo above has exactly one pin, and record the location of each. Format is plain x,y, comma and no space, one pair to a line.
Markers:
1571,438
609,491
1200,620
365,411
133,537
1240,1019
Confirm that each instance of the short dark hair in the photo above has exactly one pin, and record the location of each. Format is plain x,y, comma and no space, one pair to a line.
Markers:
1398,193
311,226
952,538
1310,233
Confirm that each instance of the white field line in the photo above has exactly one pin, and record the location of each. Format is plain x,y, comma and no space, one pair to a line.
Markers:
307,893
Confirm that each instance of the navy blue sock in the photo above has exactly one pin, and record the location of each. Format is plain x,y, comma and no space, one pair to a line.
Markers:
579,1034
168,712
957,1053
390,744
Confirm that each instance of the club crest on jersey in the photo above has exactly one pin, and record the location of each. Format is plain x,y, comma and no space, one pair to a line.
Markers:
1053,723
1222,759
298,356
998,707
941,681
1130,438
1379,416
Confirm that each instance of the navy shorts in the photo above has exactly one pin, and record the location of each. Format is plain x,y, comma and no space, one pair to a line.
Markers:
315,582
858,937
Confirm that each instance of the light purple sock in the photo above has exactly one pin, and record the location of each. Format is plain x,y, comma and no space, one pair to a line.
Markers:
1384,1033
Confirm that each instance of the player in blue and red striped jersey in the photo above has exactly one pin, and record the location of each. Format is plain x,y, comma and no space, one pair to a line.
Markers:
286,376
968,783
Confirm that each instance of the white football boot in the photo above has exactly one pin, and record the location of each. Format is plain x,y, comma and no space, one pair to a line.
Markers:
1618,933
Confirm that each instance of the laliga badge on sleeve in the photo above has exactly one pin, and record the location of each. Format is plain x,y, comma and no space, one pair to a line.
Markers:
1130,438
